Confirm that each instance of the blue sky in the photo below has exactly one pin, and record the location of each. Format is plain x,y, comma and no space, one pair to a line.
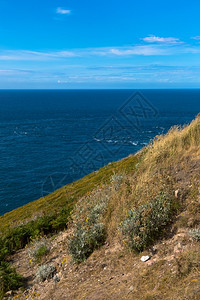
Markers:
99,44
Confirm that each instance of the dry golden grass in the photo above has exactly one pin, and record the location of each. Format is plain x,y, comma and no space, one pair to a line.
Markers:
170,162
178,142
178,279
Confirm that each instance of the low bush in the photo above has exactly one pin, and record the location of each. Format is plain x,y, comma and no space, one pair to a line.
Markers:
86,240
45,272
95,212
89,231
145,224
38,248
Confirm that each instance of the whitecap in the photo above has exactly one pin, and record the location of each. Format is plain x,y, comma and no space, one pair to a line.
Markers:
133,143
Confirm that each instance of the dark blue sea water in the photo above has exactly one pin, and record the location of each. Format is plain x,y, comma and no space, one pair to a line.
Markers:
49,138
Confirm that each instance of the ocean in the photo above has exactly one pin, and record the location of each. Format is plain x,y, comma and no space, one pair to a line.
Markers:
49,138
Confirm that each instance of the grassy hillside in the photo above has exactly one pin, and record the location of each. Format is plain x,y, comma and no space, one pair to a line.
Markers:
146,204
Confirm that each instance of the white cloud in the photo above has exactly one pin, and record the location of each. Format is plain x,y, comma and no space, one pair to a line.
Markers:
157,39
139,50
63,11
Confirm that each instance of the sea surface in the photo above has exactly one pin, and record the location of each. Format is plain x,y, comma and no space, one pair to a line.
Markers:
49,138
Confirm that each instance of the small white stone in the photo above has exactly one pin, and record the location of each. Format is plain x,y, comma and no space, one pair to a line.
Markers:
145,258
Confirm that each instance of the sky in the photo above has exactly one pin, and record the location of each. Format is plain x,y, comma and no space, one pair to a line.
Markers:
76,44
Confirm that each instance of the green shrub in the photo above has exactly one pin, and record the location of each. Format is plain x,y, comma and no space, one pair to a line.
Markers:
45,272
60,222
145,224
18,237
3,249
38,248
86,240
9,279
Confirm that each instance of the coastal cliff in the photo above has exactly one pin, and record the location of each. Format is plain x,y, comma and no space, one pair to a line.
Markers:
130,230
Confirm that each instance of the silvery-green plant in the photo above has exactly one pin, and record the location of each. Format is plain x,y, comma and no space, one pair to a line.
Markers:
90,232
45,272
195,234
98,210
86,240
144,224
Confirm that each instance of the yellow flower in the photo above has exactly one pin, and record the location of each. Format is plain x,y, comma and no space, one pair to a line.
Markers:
87,219
195,279
64,260
31,260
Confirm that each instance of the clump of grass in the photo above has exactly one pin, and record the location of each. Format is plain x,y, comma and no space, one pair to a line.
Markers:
195,234
45,272
38,249
144,224
9,279
86,240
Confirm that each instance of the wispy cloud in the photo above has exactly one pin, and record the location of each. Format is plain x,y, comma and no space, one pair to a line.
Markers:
152,49
63,11
22,55
145,50
157,39
196,38
139,50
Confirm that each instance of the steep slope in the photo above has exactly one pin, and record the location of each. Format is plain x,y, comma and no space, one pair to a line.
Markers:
145,205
